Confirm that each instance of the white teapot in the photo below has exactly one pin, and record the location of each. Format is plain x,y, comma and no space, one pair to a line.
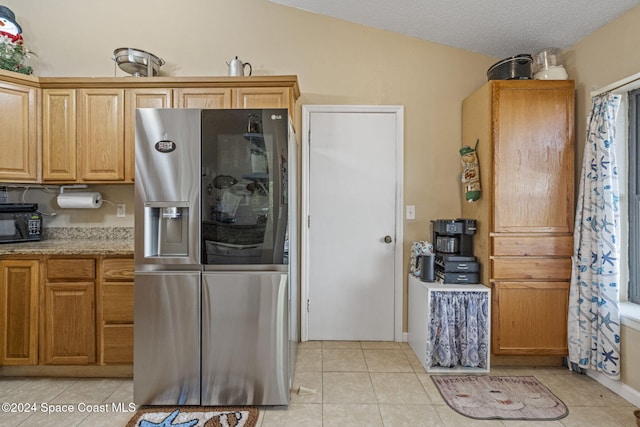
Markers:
237,67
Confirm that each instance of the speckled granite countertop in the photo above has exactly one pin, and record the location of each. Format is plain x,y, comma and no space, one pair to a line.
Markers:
76,241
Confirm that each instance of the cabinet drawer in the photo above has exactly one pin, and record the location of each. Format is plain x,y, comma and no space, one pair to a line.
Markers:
533,245
71,268
460,267
117,344
531,268
117,269
458,278
117,302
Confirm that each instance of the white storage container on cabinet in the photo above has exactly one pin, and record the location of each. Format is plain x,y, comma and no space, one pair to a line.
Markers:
449,326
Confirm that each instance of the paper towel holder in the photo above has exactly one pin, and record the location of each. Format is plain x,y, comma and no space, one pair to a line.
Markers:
78,200
63,187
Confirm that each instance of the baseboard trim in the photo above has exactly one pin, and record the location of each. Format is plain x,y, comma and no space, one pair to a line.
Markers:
621,389
81,371
522,360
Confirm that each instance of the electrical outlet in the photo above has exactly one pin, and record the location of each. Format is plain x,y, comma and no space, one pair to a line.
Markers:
120,211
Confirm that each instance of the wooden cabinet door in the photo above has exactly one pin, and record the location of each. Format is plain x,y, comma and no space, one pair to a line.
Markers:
211,97
69,311
19,280
101,135
533,157
18,133
70,323
530,318
140,98
264,97
59,135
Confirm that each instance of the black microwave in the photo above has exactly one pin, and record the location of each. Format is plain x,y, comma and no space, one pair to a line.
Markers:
20,222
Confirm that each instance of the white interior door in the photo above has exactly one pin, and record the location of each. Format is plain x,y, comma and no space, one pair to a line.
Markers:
352,260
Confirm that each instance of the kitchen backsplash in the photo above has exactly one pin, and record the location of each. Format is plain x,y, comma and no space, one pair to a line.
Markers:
89,233
56,217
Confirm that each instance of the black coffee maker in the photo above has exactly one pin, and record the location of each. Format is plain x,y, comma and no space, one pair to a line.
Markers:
453,244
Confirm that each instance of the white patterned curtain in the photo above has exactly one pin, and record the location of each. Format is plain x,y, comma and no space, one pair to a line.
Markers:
594,319
458,329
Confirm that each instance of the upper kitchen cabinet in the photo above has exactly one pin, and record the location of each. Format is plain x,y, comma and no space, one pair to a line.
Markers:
261,97
211,97
140,98
525,135
89,123
59,160
101,153
19,117
533,154
165,98
83,139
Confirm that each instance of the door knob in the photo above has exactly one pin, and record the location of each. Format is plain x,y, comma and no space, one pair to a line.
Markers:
388,239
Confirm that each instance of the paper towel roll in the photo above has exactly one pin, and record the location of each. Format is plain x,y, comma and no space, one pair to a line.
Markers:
80,200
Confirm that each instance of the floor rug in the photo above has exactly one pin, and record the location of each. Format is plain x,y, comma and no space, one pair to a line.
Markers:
194,416
486,397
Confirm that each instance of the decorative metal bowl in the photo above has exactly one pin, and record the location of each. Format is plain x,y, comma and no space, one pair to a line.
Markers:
515,68
137,62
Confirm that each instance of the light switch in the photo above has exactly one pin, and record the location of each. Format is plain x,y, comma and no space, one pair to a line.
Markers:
411,212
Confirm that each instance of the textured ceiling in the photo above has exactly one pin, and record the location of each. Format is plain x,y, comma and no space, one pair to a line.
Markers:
500,28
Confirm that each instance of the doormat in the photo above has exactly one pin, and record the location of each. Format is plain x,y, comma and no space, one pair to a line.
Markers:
485,397
195,416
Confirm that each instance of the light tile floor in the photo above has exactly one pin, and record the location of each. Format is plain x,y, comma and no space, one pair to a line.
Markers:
343,384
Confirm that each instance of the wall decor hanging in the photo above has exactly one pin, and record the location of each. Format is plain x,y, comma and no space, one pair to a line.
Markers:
470,172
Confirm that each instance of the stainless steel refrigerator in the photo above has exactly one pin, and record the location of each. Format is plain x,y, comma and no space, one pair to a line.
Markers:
216,317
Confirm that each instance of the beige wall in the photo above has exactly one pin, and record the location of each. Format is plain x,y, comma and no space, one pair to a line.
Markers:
336,63
604,57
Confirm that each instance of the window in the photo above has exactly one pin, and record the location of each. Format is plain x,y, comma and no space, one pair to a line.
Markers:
634,195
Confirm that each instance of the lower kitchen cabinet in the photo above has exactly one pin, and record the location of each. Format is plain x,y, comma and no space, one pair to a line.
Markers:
115,324
19,282
531,318
69,311
117,344
66,310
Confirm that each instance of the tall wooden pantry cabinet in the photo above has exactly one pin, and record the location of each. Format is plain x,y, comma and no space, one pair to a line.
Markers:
524,241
